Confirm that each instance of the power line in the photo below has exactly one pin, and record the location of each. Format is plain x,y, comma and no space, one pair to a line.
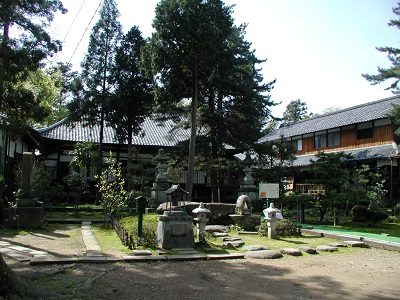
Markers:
91,19
73,21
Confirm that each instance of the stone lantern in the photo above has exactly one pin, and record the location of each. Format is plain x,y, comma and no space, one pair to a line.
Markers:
271,217
201,221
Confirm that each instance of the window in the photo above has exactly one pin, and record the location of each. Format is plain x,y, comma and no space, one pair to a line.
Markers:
365,133
297,145
334,139
320,141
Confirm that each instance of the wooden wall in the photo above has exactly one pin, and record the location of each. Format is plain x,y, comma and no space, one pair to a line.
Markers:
348,140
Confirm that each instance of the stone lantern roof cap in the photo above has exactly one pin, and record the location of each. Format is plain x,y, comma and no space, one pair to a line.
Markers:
201,209
176,190
272,208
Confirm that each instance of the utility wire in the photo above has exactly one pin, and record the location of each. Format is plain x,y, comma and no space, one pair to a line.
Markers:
91,19
73,21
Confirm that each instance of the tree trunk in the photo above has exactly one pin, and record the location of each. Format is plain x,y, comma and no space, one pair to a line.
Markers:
192,143
129,164
2,62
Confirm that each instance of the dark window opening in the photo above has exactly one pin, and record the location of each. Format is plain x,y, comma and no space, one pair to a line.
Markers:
365,133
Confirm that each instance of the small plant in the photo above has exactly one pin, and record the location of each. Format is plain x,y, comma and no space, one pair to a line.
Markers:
397,209
111,187
393,220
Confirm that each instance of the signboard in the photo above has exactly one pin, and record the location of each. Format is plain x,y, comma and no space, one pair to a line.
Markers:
268,190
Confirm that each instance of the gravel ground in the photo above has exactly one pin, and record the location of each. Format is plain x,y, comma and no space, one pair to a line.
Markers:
356,274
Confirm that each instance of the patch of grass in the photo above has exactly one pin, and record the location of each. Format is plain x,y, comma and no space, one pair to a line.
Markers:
130,223
108,239
85,215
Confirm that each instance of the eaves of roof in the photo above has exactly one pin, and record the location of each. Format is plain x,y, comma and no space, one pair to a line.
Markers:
376,152
353,115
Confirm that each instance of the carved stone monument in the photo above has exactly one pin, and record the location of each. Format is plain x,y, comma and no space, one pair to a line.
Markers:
175,227
28,211
243,216
248,187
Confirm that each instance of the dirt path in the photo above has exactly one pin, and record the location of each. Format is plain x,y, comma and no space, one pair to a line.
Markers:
359,274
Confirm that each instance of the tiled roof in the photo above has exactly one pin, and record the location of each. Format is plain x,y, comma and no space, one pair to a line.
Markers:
376,152
349,116
154,133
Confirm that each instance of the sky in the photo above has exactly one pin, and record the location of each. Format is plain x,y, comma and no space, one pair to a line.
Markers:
315,49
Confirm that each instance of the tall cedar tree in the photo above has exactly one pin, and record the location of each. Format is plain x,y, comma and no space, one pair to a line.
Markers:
24,44
96,88
392,72
237,105
188,42
133,97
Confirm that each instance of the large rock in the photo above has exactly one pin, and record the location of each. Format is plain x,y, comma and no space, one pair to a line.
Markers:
219,211
291,251
232,244
356,244
217,228
326,248
255,247
308,250
263,254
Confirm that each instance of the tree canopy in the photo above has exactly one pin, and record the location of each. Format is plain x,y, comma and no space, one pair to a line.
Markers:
24,44
393,54
296,110
198,57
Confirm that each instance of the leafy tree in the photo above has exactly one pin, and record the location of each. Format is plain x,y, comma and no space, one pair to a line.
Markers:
22,52
133,97
295,111
96,81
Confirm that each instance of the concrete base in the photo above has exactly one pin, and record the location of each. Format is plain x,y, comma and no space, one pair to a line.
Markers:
175,230
24,217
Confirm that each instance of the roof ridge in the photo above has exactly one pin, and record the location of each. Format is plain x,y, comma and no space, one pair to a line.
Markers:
347,109
44,129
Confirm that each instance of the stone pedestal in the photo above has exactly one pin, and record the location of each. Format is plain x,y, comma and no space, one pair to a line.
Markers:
271,224
175,230
28,211
247,222
24,217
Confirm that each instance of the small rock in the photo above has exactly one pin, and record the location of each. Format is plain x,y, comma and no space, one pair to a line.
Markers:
337,244
291,251
263,254
255,247
308,250
326,248
231,239
219,234
356,244
232,245
217,228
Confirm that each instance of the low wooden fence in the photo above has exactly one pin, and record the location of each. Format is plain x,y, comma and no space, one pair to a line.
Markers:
127,239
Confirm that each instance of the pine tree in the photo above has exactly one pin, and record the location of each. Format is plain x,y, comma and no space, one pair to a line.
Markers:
295,111
96,87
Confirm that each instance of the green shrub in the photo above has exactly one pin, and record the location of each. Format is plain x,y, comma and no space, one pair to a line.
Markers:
397,209
286,227
393,219
377,215
359,213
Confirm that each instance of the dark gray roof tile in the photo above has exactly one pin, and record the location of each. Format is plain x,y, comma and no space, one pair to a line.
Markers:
349,116
154,133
